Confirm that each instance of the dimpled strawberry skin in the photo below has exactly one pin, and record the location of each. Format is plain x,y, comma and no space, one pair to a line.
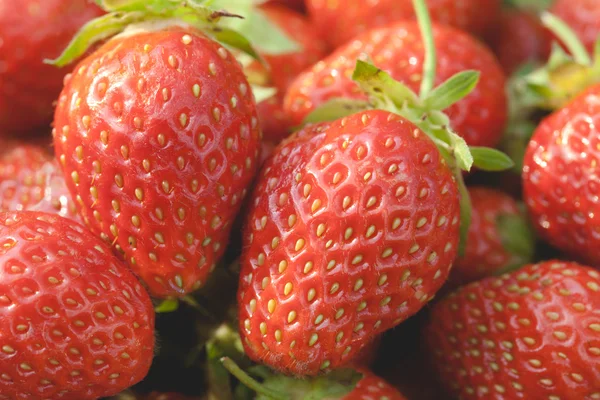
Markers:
372,387
479,118
561,181
484,253
158,137
30,179
353,228
340,21
532,334
74,322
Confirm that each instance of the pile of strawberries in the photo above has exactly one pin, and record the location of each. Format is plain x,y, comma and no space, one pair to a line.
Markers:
326,199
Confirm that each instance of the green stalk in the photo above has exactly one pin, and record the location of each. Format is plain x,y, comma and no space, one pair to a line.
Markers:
250,382
430,62
568,37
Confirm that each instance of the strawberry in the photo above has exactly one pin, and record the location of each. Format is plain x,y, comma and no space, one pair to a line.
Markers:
560,178
398,49
368,355
340,247
31,31
521,38
531,334
340,21
31,180
74,322
158,133
285,67
373,387
583,16
498,237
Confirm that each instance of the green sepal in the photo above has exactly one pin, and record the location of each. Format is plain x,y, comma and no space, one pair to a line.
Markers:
335,109
487,159
535,6
454,89
167,306
465,213
518,238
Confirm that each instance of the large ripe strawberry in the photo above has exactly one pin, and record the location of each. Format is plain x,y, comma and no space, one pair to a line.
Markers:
498,238
583,16
285,67
340,21
31,31
560,178
341,245
521,38
158,135
398,49
531,334
30,179
74,322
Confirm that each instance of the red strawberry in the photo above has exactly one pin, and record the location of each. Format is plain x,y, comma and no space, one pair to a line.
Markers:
340,245
531,334
74,322
31,180
372,387
521,38
285,67
498,237
159,135
480,117
560,178
31,31
368,355
583,16
340,21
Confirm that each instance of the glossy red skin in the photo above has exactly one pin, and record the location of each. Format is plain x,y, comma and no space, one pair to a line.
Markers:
560,178
538,325
583,16
521,38
64,297
31,31
284,68
372,387
480,117
401,265
30,179
199,162
484,252
339,21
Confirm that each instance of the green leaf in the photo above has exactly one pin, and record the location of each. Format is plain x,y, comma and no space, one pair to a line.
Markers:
453,90
262,93
234,39
465,213
488,159
462,153
260,30
336,109
516,235
334,385
564,32
94,32
167,306
380,85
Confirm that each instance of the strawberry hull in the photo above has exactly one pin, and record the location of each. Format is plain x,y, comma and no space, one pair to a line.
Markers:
158,136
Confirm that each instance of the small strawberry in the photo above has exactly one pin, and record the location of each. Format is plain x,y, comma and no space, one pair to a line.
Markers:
583,16
368,355
31,31
285,67
74,322
531,334
560,178
498,238
158,135
340,21
521,38
398,49
30,179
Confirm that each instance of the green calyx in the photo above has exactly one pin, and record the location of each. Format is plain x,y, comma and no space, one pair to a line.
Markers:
232,30
529,5
518,239
334,385
566,74
425,110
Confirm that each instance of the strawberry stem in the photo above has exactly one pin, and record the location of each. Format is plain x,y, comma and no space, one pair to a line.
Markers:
430,61
568,37
250,382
